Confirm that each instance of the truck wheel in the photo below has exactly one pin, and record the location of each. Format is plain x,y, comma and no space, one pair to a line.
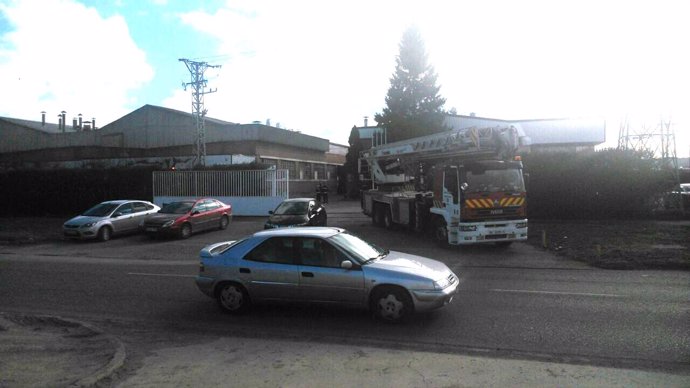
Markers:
377,215
387,218
441,232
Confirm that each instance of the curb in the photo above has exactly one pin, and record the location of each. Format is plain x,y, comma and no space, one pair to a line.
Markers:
115,363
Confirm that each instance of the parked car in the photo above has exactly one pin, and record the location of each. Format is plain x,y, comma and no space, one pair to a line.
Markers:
322,264
183,218
108,219
297,212
672,199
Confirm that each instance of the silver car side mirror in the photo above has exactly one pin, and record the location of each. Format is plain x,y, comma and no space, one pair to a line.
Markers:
346,264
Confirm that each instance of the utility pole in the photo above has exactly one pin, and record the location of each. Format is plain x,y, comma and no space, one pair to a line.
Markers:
198,83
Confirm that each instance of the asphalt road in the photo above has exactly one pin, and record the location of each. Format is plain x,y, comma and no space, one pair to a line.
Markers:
517,302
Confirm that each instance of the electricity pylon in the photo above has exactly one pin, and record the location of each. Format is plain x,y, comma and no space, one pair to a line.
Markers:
658,140
198,83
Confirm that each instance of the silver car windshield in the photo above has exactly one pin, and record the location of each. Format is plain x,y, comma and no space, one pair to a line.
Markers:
361,250
100,210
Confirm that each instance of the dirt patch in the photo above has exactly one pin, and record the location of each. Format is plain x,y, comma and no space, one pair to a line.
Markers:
617,244
49,352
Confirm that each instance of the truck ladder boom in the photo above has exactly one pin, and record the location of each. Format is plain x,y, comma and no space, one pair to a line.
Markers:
465,143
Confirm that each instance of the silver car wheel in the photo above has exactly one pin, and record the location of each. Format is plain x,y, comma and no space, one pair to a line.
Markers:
391,305
232,298
104,233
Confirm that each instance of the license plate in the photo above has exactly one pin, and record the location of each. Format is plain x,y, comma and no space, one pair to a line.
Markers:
151,229
71,233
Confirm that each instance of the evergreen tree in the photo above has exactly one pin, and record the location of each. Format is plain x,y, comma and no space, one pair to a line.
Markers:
413,104
352,162
353,152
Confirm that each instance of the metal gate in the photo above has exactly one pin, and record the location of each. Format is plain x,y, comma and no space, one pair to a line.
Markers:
250,192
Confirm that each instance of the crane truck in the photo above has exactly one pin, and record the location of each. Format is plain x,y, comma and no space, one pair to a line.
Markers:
463,186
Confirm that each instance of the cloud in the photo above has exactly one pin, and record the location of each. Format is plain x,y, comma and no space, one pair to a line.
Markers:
61,55
304,65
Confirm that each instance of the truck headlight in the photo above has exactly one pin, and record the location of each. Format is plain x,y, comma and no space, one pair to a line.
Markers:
521,225
468,228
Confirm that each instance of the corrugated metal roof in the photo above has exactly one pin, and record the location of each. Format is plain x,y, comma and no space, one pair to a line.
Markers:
560,131
35,125
591,131
206,119
149,127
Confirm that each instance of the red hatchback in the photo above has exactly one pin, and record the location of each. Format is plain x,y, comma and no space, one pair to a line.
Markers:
183,218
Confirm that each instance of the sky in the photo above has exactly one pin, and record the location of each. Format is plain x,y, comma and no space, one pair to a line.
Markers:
320,67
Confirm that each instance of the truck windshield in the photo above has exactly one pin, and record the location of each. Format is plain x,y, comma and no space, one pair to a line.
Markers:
495,180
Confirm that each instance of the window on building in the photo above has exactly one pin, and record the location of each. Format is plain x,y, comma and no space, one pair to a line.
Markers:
307,171
289,165
270,162
320,171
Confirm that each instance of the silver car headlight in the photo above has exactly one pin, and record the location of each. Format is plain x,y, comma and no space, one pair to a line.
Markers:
441,284
90,224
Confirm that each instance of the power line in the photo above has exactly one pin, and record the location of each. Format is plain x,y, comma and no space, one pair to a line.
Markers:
198,83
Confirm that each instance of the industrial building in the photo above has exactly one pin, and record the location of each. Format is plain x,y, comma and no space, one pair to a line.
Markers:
165,138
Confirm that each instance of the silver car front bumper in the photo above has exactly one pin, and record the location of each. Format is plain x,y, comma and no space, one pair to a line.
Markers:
427,300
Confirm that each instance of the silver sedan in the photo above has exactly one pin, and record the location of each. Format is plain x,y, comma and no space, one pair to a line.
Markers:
108,219
322,264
